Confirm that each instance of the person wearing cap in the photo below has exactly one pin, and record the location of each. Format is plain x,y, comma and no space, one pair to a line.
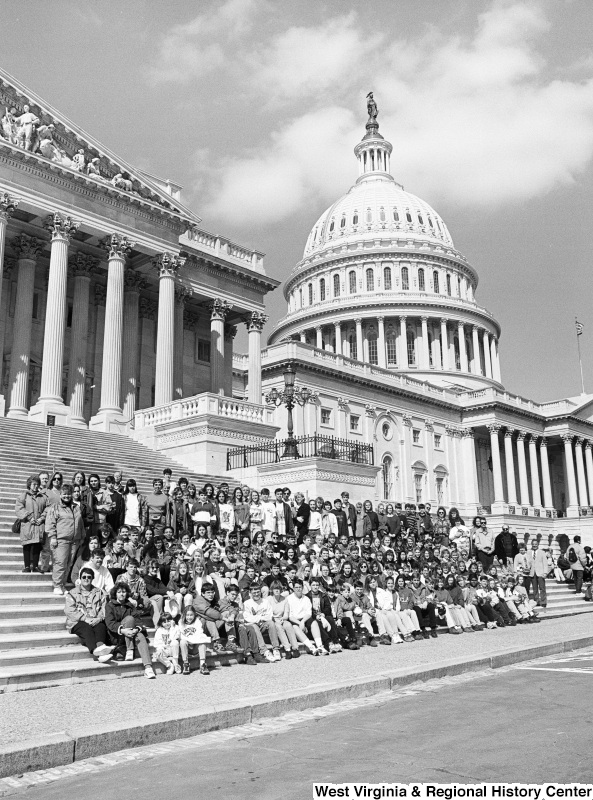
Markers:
85,615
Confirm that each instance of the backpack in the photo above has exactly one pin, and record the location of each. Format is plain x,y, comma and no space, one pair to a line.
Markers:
572,556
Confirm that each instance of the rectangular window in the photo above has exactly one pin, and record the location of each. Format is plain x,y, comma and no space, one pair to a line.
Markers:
204,350
373,351
354,423
418,487
391,351
69,316
36,305
440,491
416,436
437,441
326,416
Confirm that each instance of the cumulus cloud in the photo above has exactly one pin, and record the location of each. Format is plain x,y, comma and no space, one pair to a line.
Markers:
203,45
474,120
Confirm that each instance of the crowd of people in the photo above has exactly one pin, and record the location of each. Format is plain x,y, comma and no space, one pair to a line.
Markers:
215,569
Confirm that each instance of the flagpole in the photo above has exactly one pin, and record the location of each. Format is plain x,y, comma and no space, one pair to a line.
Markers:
580,359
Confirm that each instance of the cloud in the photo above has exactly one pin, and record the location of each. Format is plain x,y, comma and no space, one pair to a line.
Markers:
192,50
475,120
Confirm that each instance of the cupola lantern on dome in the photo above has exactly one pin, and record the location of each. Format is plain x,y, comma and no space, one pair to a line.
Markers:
373,152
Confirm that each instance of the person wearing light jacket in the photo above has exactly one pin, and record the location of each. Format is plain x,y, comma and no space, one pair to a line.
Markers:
387,599
538,569
257,612
424,608
85,615
65,527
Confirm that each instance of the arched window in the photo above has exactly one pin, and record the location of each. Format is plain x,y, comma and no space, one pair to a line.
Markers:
322,289
331,226
355,218
435,281
449,285
411,341
373,349
382,214
369,216
405,278
395,215
430,223
457,353
353,346
408,216
391,347
421,283
301,298
370,280
387,278
420,220
336,285
387,477
458,286
352,282
343,222
310,294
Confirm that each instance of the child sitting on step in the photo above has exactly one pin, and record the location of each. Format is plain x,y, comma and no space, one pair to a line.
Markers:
166,644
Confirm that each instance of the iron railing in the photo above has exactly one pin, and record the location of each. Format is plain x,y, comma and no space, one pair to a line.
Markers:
306,447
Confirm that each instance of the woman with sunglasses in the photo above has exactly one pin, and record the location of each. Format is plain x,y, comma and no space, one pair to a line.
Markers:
441,527
54,489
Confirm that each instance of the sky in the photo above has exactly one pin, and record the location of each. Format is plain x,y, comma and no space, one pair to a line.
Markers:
255,106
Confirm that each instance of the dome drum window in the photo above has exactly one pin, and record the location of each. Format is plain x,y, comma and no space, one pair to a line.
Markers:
421,281
387,279
370,278
405,279
322,289
336,285
352,282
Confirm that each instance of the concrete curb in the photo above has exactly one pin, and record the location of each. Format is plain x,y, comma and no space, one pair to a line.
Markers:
63,748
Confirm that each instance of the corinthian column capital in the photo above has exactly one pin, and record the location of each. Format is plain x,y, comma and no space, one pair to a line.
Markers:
8,204
117,245
256,321
83,265
168,264
61,226
27,246
219,309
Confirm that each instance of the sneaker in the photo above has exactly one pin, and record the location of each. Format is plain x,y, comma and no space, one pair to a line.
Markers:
468,630
259,659
149,672
276,654
35,569
287,655
418,636
218,646
101,649
536,619
177,667
409,638
296,653
171,668
321,651
315,651
130,655
338,647
395,639
186,667
385,639
269,656
57,589
204,669
332,648
373,642
250,660
433,633
425,634
353,646
104,658
232,646
454,630
27,569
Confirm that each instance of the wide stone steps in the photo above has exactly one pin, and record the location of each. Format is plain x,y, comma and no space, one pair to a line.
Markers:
52,622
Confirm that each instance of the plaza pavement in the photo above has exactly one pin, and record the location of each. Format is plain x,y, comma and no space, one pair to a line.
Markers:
48,727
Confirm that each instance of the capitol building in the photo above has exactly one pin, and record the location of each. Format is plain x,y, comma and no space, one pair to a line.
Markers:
119,311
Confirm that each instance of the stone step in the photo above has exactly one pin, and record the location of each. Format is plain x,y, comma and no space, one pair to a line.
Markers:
28,598
31,577
24,584
45,609
34,639
47,624
43,655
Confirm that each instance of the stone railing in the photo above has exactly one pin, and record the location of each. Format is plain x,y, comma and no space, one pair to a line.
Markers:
223,248
205,403
495,395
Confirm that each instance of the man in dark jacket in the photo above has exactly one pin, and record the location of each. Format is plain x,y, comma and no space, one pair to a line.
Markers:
506,546
350,512
340,515
323,615
115,517
302,513
155,589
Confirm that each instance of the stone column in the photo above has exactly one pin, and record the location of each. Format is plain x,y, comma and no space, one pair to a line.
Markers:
486,346
436,348
578,446
573,500
181,295
148,315
109,415
255,323
7,273
8,203
82,267
424,355
445,345
319,337
359,341
27,249
589,463
303,336
510,467
338,333
403,343
133,283
219,310
167,265
100,300
381,356
476,366
496,465
535,490
523,483
494,359
462,349
547,484
470,469
50,399
230,331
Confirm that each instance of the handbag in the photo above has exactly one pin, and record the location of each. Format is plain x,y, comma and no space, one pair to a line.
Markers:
16,526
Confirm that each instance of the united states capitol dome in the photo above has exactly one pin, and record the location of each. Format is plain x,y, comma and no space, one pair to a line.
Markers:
376,204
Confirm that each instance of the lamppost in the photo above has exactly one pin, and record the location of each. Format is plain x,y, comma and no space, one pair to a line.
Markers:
289,397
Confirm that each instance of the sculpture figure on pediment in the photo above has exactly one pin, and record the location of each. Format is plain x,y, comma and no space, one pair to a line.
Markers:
93,171
27,127
78,161
122,183
9,125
